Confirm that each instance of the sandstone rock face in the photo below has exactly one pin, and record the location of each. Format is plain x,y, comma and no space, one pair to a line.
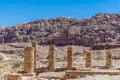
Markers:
101,28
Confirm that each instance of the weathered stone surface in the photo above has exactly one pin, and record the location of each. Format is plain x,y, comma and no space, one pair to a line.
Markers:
15,76
88,59
108,59
51,57
69,56
29,60
101,28
34,45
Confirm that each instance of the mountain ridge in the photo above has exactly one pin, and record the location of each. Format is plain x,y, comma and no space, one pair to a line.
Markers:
99,29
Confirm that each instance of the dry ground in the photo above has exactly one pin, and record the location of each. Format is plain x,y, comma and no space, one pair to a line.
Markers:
16,53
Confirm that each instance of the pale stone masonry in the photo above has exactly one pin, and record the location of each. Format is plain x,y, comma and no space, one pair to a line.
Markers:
88,59
69,56
108,59
1,74
15,76
34,44
71,75
29,60
51,57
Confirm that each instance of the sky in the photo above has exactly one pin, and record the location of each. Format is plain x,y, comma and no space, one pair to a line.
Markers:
14,12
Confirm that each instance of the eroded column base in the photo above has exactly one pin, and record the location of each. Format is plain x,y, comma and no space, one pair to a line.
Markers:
29,74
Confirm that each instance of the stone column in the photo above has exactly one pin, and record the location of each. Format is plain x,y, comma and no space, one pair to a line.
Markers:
34,44
51,57
69,56
29,60
88,59
15,77
1,74
108,59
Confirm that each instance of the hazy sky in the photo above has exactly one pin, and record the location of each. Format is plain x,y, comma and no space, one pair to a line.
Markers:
19,11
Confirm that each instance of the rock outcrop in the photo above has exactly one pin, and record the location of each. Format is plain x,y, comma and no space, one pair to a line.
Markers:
101,28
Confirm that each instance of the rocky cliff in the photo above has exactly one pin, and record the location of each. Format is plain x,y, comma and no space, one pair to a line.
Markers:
101,28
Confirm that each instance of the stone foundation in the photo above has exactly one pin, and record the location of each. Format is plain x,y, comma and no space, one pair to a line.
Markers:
15,77
79,74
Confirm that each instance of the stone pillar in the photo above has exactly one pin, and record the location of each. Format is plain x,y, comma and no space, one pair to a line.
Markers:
15,77
69,56
34,44
88,59
108,59
29,60
1,74
51,57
